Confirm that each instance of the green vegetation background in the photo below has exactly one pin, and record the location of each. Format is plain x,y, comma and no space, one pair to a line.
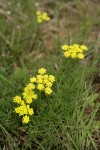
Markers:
70,118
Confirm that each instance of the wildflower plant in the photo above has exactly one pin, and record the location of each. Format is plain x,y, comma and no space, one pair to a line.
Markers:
40,83
41,17
74,51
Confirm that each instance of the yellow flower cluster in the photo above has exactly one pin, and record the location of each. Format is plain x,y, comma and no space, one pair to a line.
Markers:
42,17
23,108
74,51
42,82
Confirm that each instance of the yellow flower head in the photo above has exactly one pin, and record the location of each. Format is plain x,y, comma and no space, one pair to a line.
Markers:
66,54
29,86
40,81
73,55
17,99
65,47
42,71
29,100
22,102
45,76
21,110
42,17
49,84
45,16
79,50
80,56
45,81
38,13
17,110
51,78
30,110
34,96
26,119
48,91
83,47
39,77
28,96
33,79
39,20
40,87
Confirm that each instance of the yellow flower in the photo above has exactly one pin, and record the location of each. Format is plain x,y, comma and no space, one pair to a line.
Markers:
30,111
17,110
48,91
51,78
28,95
42,71
79,50
45,81
39,77
34,96
80,56
39,81
45,16
21,110
33,79
40,87
67,54
26,119
29,100
49,84
38,13
17,99
45,76
22,102
83,47
73,55
24,110
64,47
29,87
42,17
39,20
